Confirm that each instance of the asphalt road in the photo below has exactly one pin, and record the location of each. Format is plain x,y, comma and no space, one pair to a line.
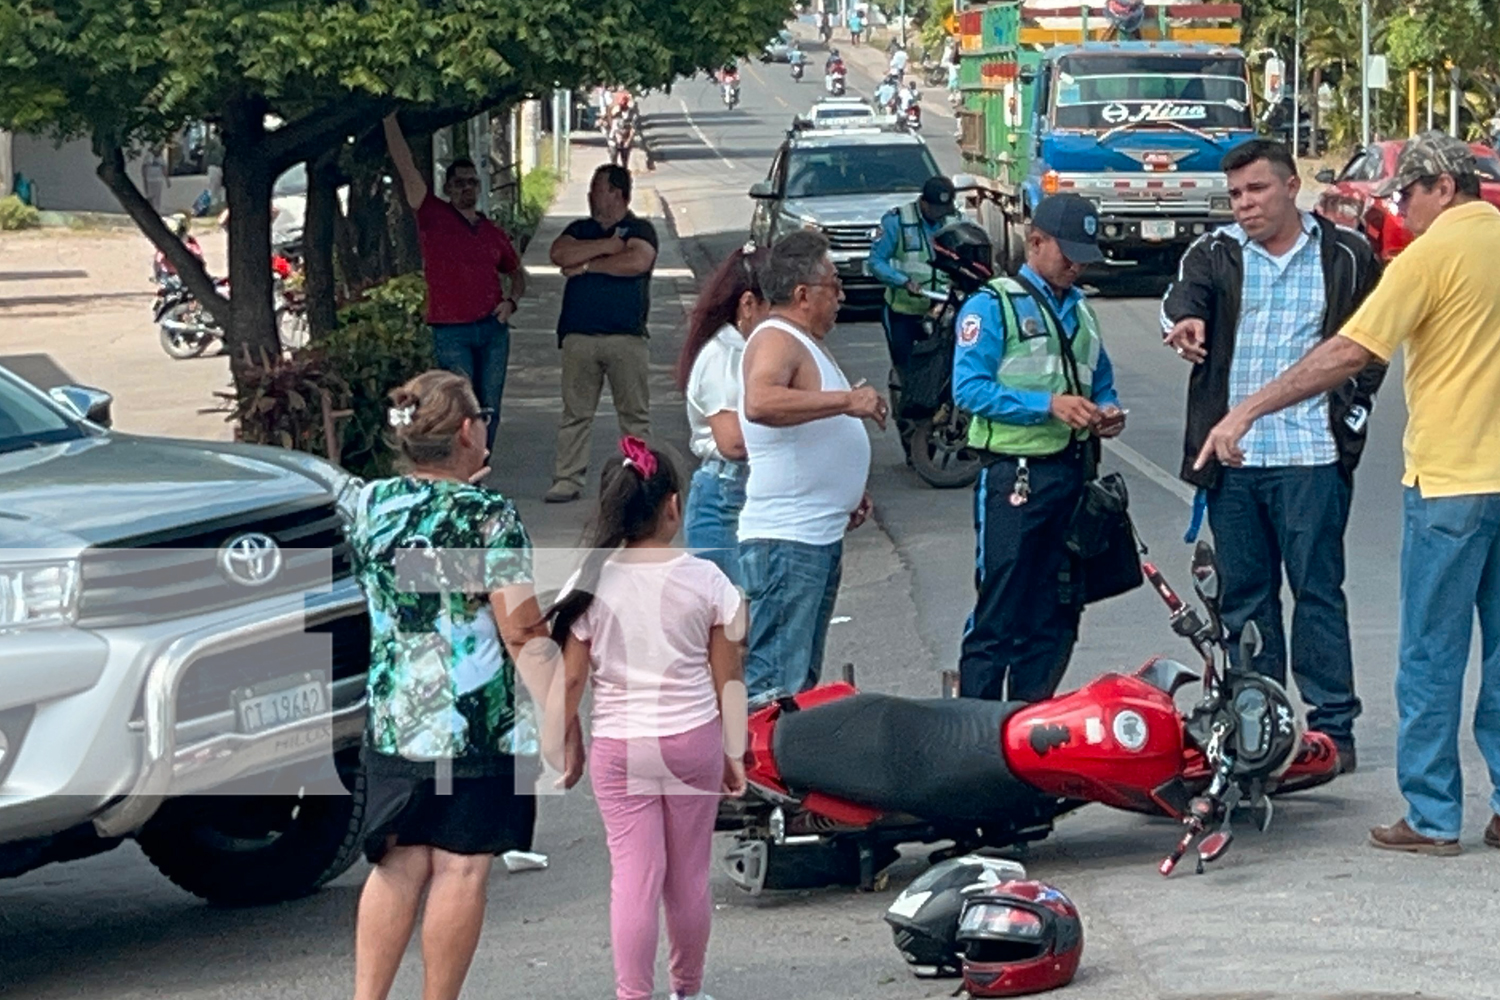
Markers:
1304,911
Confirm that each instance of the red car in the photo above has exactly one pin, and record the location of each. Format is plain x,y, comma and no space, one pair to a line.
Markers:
1348,198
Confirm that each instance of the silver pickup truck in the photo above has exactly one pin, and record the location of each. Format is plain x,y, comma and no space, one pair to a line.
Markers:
183,653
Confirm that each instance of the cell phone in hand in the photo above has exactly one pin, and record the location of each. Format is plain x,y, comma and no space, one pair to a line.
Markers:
1113,419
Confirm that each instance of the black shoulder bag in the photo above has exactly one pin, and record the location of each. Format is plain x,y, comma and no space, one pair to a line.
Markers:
1100,536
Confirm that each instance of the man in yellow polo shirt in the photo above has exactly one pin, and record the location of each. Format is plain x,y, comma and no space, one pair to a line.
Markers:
1441,299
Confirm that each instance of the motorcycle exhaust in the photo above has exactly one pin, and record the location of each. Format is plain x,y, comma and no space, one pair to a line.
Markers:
177,326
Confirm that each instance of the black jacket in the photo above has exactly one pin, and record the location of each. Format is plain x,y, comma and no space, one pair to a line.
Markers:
1208,286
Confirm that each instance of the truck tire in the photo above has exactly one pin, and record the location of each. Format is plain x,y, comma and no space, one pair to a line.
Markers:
250,850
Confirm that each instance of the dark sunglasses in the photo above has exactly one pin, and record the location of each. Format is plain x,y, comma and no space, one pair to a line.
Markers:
487,414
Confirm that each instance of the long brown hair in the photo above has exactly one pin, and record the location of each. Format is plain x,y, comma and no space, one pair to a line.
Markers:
719,303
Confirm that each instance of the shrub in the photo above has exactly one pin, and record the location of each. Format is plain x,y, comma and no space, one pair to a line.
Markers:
538,190
381,342
16,214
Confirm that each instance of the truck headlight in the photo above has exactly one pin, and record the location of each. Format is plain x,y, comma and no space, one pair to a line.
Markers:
1218,204
39,593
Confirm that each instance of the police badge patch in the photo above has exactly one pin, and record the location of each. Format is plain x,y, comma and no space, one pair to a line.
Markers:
968,331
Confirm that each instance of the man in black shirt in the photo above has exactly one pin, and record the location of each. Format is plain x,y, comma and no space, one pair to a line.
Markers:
607,259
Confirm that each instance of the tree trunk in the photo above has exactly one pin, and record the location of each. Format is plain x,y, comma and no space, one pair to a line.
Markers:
250,338
317,239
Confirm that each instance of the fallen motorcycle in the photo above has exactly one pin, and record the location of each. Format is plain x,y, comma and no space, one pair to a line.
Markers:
839,779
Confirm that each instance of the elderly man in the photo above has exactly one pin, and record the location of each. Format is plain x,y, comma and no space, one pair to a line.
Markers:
607,259
809,460
1031,367
1440,299
1249,301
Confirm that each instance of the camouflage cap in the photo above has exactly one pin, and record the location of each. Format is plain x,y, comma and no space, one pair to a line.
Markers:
1428,154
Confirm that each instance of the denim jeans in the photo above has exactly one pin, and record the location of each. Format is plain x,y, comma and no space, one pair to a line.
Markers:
791,587
480,351
712,519
1262,520
1450,565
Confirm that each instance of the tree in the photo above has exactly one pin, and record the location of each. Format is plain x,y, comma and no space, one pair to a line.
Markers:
128,73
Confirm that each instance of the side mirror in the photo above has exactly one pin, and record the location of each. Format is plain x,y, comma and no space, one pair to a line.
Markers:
762,189
1027,75
1206,573
1250,644
90,404
1324,176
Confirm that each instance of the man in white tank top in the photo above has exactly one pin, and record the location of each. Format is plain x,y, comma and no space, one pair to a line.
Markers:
809,460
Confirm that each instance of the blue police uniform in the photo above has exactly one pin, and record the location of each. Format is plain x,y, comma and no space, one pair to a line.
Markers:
1026,614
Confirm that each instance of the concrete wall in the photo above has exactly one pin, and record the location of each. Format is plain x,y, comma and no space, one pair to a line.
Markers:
63,177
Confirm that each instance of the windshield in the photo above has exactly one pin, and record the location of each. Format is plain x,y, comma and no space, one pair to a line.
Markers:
836,170
1099,92
27,419
827,114
294,181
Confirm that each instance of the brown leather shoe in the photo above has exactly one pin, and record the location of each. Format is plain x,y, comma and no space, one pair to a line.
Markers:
1492,832
1401,837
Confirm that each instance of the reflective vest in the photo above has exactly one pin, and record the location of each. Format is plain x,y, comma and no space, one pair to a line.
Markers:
1034,361
914,256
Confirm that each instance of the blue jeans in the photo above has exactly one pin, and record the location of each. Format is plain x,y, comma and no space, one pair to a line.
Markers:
1450,565
480,351
712,519
791,587
1262,520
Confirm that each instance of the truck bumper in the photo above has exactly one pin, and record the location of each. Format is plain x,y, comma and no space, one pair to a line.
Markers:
1132,236
103,741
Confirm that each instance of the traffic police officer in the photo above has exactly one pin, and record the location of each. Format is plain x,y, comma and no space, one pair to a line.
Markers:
902,259
1031,369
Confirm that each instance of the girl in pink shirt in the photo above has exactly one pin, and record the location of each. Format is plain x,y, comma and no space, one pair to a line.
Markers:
659,632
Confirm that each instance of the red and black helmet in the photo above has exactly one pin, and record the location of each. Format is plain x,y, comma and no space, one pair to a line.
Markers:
1018,938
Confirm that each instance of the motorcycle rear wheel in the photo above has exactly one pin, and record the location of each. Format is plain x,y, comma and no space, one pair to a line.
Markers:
941,455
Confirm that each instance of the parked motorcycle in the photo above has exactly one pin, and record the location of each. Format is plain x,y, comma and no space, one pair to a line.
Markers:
838,779
187,330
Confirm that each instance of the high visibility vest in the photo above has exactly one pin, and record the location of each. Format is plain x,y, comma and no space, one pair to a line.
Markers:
1034,361
914,256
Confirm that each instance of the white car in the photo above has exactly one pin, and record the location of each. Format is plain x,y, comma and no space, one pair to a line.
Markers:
839,112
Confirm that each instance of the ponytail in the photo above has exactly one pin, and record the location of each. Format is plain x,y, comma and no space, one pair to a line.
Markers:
633,492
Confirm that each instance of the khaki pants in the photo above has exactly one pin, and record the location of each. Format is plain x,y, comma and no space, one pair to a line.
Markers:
587,360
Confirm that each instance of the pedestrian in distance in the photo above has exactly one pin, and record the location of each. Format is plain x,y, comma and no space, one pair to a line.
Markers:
607,259
1440,302
1249,301
658,634
1030,366
709,374
809,462
446,569
467,262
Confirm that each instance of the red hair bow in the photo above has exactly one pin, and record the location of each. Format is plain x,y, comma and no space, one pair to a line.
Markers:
638,455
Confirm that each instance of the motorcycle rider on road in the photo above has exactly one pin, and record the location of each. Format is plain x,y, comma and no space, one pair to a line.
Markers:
833,68
1030,366
908,97
885,95
902,260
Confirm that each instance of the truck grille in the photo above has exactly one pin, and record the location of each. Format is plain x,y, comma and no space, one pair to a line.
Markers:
849,239
209,684
174,574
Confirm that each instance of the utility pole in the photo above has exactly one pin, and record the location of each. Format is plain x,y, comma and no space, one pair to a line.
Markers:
1453,100
1297,87
1364,73
1431,97
903,24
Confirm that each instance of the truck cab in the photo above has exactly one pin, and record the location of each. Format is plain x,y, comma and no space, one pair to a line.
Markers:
1138,126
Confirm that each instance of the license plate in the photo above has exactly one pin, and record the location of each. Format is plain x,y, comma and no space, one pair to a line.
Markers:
278,702
1158,229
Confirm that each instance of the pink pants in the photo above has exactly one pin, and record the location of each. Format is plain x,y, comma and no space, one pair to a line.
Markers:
659,799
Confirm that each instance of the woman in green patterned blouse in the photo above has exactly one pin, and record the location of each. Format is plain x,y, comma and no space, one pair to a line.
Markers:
446,569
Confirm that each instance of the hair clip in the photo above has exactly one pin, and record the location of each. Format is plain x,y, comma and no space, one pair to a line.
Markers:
400,416
638,456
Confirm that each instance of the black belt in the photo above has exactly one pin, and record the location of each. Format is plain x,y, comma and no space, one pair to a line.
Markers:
1071,453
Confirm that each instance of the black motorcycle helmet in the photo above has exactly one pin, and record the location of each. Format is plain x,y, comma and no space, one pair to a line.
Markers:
963,252
924,918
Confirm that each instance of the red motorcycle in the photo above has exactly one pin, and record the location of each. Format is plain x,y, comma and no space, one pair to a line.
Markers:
838,779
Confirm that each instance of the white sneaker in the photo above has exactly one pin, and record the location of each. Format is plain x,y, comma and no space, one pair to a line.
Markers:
523,861
695,996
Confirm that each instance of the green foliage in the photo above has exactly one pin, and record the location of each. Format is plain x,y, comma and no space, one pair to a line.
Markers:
16,214
381,342
538,189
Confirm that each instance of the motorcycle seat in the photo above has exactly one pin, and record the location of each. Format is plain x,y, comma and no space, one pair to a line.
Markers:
937,759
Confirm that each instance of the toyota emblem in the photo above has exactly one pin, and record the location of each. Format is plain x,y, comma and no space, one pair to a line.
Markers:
251,560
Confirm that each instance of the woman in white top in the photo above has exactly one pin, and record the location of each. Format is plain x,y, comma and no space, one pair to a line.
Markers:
708,373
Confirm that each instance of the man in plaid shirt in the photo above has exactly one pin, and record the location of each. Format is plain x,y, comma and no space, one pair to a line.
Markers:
1250,300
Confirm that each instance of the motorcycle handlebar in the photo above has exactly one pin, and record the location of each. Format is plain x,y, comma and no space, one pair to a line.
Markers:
1162,587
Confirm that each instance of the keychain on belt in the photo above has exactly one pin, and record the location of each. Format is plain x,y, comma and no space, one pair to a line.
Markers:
1022,491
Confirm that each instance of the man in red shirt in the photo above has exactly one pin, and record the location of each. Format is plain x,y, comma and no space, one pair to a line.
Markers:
466,259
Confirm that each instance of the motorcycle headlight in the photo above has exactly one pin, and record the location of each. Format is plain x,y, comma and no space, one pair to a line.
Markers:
38,593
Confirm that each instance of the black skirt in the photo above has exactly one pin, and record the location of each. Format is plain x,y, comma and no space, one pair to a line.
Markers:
488,814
